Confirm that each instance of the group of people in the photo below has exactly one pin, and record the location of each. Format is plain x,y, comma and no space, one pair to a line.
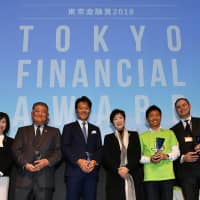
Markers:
142,166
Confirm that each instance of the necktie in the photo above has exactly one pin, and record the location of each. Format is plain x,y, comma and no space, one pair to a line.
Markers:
187,128
37,153
37,135
84,131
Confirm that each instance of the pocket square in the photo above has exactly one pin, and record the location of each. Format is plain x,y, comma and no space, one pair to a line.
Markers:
93,132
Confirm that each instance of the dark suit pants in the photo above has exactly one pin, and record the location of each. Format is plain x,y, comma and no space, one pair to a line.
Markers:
190,188
159,190
84,186
34,193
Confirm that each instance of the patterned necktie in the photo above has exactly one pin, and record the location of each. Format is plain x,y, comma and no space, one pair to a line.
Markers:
84,131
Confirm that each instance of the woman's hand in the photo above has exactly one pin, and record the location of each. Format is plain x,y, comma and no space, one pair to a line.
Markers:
123,172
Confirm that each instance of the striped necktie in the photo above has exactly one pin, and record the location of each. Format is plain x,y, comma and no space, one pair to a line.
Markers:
84,131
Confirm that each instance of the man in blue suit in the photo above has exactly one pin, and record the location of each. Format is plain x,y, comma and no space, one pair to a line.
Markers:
81,146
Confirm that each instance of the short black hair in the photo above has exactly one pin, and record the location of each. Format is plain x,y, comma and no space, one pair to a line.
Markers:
152,108
5,115
115,112
83,99
181,98
40,103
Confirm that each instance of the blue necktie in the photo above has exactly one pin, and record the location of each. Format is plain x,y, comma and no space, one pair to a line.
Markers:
84,131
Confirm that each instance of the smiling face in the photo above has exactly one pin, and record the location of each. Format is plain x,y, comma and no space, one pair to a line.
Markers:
83,111
119,122
154,119
40,114
183,109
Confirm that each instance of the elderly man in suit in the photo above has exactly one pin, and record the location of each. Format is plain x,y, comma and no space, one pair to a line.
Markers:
187,168
82,146
36,150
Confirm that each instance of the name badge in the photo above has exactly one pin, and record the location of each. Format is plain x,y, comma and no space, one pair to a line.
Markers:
188,139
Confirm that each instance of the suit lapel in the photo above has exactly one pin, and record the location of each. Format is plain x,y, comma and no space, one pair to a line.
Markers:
129,138
32,133
89,130
181,130
44,135
116,142
79,130
194,127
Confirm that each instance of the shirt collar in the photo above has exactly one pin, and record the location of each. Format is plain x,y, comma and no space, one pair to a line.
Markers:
189,119
2,135
81,122
151,130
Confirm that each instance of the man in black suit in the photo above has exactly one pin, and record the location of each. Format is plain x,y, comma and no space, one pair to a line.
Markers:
82,146
187,168
36,150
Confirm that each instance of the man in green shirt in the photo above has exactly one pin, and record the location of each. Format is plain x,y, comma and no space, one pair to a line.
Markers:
159,148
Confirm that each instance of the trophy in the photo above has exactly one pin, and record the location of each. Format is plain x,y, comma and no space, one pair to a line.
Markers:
88,157
198,139
159,144
197,142
37,155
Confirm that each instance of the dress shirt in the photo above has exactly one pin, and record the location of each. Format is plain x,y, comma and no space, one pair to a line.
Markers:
81,125
1,140
41,128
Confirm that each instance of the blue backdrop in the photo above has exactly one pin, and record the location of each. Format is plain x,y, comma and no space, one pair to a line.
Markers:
121,54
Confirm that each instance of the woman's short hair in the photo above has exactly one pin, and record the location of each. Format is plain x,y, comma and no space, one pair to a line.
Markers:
115,112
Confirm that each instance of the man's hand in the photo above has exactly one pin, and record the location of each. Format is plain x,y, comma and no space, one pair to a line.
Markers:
40,164
86,166
82,163
91,165
163,156
197,148
190,157
157,157
30,167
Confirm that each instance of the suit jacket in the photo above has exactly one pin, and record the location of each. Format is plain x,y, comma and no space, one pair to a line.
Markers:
111,163
74,147
184,170
6,159
23,151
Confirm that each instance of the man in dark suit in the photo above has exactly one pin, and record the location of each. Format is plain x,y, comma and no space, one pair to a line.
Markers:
82,146
36,150
187,168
